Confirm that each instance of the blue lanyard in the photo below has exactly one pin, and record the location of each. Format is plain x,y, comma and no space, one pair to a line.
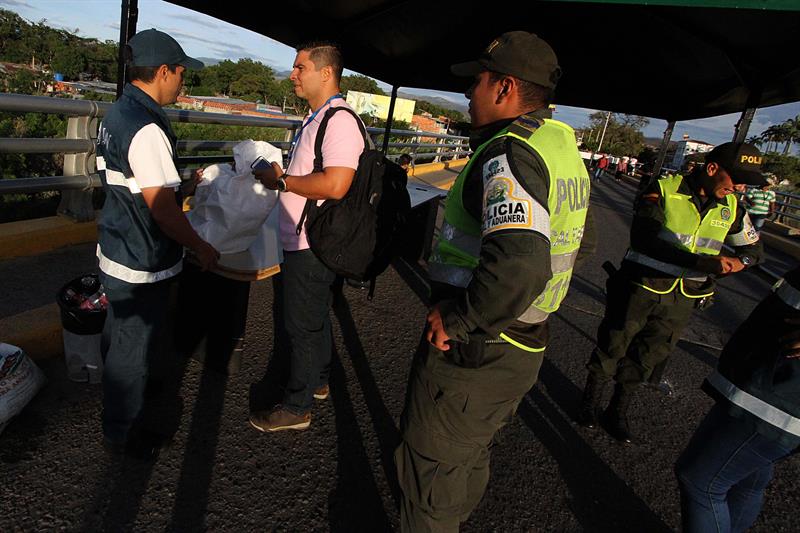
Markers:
306,123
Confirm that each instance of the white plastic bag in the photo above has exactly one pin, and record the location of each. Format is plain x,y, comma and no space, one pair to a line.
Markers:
230,206
20,380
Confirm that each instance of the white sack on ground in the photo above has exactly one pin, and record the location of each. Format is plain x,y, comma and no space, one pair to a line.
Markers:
230,205
20,380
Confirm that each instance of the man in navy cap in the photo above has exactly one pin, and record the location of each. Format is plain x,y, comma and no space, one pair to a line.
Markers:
142,231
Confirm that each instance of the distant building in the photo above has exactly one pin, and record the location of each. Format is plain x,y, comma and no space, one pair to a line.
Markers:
376,105
427,122
687,147
79,87
230,106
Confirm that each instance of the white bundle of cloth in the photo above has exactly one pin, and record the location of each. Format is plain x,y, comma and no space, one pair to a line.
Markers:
230,205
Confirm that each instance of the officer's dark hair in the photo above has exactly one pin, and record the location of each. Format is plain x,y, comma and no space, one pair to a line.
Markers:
325,54
143,74
532,95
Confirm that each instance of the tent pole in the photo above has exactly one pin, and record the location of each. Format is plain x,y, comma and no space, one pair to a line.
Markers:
662,150
127,28
742,127
389,120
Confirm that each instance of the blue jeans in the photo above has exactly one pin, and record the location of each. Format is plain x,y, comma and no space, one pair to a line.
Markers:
758,221
131,339
306,286
723,472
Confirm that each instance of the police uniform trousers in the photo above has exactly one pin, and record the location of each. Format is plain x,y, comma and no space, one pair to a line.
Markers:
638,332
450,418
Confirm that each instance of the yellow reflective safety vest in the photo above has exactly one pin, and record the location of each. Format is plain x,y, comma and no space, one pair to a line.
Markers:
685,229
458,249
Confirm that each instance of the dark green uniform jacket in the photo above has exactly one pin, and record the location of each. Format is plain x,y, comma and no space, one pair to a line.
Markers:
648,220
495,297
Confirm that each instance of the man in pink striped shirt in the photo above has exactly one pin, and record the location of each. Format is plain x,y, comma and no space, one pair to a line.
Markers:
305,281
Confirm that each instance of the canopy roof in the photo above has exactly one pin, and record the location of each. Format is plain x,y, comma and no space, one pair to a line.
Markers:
675,60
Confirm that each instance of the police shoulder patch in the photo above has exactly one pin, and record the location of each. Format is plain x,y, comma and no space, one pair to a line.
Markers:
506,204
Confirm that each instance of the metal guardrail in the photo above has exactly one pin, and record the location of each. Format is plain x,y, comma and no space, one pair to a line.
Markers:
783,207
80,174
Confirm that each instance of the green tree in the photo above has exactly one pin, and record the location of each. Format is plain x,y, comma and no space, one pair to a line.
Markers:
783,166
23,81
69,60
623,135
361,84
283,96
251,87
437,111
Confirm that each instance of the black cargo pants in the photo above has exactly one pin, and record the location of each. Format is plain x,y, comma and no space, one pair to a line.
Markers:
451,416
638,332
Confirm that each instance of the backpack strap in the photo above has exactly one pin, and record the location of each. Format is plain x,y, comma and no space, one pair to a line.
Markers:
323,126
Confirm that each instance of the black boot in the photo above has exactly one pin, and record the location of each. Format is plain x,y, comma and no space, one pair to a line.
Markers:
615,417
590,403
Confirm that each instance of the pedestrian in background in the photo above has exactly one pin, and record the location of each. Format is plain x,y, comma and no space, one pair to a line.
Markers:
760,204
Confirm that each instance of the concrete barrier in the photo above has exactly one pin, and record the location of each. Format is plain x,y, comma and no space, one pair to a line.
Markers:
39,235
37,331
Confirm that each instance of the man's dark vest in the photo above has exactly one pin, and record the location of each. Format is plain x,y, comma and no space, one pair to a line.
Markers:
131,246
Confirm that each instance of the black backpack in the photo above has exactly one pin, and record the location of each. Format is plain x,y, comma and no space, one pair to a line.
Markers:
356,237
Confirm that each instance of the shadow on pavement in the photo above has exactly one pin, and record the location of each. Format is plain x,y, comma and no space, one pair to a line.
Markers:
268,392
703,355
355,503
582,333
191,496
382,421
588,288
601,501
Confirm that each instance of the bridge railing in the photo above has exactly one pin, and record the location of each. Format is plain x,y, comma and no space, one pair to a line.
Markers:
80,175
787,208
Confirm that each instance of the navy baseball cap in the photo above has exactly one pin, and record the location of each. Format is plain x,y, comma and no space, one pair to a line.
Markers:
153,48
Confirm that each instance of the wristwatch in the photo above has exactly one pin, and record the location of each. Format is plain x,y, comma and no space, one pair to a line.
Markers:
282,183
746,260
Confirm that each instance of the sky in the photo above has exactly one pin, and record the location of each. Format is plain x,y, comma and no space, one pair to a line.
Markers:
204,36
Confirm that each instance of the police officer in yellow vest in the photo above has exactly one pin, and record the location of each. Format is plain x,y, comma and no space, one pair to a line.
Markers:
514,221
678,230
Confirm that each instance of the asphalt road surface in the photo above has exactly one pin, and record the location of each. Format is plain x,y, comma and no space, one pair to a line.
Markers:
220,474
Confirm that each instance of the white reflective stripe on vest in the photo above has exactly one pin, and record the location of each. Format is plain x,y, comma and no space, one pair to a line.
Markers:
689,240
676,238
114,177
562,262
120,271
558,263
756,406
471,244
450,274
788,294
667,268
533,315
711,244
